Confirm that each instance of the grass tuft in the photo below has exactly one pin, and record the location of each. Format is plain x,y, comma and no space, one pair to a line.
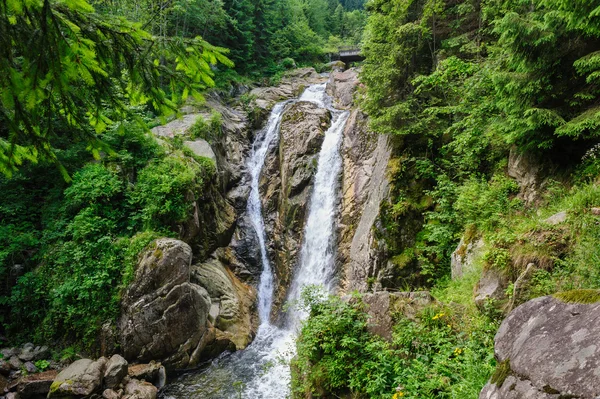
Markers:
502,372
579,296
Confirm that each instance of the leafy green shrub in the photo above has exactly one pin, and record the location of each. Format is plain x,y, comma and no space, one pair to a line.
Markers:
165,190
486,204
42,365
82,246
336,354
444,353
208,130
288,63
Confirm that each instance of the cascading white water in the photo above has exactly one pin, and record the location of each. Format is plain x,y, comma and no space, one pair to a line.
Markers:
254,208
316,94
318,250
261,371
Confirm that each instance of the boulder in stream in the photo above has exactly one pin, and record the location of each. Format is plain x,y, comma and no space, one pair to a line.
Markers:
164,316
82,378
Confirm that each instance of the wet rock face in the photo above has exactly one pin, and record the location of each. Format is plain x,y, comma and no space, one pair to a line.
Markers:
164,315
364,188
246,250
116,370
341,87
182,314
552,349
285,186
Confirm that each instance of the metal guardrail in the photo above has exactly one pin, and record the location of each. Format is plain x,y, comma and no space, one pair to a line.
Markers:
349,53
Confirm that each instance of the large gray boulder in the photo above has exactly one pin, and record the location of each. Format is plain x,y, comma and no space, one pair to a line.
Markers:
82,378
548,349
35,385
201,148
164,316
176,127
116,370
491,288
231,301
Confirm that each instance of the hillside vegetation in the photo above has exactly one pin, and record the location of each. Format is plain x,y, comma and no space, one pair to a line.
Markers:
464,87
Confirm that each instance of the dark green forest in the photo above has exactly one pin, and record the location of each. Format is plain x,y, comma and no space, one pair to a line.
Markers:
461,86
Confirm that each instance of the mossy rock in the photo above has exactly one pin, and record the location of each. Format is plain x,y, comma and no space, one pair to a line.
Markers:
579,296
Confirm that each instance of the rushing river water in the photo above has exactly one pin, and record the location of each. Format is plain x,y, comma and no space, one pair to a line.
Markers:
261,371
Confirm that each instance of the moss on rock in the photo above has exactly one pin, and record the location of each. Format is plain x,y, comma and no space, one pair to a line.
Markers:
579,296
501,373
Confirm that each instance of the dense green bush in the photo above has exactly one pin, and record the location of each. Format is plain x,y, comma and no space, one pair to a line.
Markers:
486,204
79,250
288,63
443,353
164,190
457,85
209,130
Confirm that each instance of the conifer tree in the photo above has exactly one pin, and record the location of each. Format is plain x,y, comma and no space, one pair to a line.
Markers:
63,65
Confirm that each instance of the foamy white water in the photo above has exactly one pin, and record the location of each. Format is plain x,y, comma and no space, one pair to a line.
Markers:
261,371
316,94
254,207
317,255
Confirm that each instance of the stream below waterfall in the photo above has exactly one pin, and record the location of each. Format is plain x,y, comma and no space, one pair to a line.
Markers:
261,371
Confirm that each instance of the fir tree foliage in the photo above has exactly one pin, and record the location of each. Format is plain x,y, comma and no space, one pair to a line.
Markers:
460,82
63,65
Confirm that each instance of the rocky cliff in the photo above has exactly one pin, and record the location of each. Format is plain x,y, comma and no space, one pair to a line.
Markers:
194,297
361,256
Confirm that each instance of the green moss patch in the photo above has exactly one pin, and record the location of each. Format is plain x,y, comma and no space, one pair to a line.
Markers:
502,372
579,296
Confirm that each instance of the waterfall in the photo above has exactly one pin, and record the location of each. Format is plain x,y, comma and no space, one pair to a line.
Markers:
261,371
254,209
317,255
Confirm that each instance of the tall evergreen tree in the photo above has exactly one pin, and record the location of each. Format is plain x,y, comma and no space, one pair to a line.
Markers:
62,61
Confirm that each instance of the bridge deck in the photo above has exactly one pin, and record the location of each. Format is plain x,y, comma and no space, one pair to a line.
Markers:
350,55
